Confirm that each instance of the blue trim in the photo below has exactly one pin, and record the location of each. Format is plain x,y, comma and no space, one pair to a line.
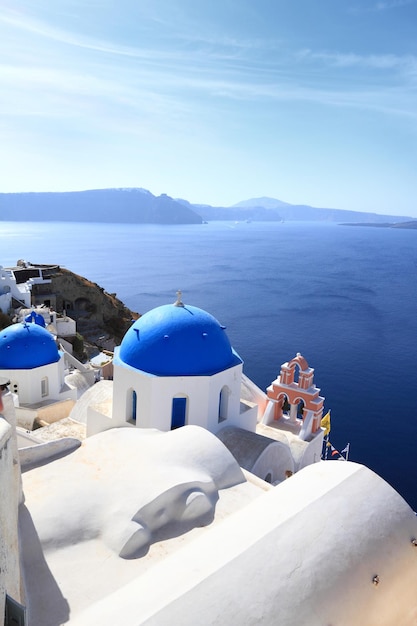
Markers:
134,405
35,318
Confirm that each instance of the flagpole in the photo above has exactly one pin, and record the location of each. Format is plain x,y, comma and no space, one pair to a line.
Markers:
325,423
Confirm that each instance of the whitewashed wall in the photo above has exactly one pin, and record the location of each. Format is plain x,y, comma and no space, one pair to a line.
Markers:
10,496
155,394
30,387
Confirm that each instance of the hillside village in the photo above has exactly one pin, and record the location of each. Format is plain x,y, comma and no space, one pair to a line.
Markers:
101,318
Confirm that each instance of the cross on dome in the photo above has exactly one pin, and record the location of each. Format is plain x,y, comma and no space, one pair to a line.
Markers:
178,301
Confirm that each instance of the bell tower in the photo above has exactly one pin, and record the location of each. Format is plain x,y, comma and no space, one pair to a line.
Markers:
287,389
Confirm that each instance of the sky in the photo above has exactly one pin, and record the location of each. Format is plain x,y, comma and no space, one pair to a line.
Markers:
213,101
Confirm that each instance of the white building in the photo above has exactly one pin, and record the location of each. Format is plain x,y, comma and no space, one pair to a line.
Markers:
10,289
35,369
61,326
176,366
16,284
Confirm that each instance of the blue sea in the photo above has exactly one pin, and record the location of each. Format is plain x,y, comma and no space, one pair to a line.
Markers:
343,296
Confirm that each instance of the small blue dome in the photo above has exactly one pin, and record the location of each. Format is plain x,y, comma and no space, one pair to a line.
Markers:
25,346
36,318
177,341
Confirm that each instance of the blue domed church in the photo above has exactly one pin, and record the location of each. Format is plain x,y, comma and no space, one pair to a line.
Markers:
30,359
176,366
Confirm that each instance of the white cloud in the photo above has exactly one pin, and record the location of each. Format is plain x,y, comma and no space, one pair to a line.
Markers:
165,85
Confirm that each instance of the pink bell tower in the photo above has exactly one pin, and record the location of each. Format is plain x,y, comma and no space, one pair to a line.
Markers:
303,390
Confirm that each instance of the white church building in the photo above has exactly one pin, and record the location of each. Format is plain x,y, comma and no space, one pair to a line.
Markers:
176,366
30,359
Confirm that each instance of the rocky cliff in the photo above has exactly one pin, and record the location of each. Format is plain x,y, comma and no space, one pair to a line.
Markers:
102,319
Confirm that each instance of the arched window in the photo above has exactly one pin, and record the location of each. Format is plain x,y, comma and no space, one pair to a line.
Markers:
131,406
223,404
285,404
300,409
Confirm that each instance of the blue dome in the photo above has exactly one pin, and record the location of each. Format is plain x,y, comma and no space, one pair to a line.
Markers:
177,341
25,346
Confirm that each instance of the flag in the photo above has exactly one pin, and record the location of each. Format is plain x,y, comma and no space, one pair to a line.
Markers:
334,452
345,451
325,423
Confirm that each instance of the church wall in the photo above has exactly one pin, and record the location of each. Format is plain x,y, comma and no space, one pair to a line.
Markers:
312,452
29,383
154,398
248,417
126,380
146,412
194,388
122,379
228,381
155,394
10,494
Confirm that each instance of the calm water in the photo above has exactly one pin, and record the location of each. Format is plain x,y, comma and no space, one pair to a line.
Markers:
345,297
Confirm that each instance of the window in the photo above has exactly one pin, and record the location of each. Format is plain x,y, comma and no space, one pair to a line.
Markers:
14,613
132,406
223,404
44,387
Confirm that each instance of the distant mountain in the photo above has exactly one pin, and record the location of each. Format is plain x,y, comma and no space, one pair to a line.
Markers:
140,206
265,202
233,213
137,206
271,209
